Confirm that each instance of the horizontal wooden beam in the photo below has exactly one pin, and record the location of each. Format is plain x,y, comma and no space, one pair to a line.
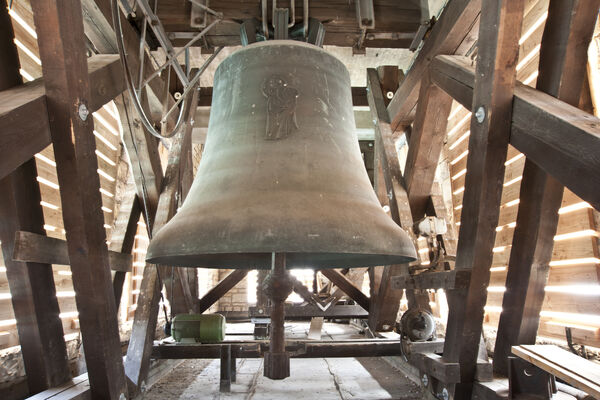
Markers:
24,116
297,349
433,280
561,139
31,247
310,310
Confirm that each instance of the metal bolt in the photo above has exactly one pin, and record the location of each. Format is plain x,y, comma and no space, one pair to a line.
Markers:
83,111
425,380
480,114
143,387
390,195
122,397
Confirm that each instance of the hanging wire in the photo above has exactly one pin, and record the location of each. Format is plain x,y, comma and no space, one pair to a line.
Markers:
145,203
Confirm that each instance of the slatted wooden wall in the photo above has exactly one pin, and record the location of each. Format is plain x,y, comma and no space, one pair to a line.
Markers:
108,150
573,290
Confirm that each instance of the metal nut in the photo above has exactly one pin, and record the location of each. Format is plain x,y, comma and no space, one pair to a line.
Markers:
480,114
83,111
425,380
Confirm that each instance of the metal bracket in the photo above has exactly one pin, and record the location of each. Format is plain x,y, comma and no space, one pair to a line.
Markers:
280,23
525,380
198,15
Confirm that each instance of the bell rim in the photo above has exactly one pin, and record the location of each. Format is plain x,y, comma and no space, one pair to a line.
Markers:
294,259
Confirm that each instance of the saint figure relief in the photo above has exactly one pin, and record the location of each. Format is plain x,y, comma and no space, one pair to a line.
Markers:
281,107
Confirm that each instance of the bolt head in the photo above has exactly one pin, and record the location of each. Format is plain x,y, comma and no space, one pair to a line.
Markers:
425,380
83,111
445,395
122,396
480,114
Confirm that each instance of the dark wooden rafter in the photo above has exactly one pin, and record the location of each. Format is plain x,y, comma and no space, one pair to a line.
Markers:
563,54
446,37
62,50
498,50
23,136
33,293
142,335
559,138
347,287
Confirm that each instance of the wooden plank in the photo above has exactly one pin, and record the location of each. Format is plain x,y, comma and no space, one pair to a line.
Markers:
563,55
347,287
220,289
445,38
142,335
37,248
62,51
498,46
574,370
23,136
425,144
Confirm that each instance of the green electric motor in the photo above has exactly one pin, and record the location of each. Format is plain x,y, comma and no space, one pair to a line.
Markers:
203,328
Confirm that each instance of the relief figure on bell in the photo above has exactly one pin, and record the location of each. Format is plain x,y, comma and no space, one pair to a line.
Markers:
281,107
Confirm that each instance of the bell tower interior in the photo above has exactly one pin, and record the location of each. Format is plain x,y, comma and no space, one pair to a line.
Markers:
299,199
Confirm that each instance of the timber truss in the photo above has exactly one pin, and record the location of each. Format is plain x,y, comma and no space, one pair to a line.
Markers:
560,141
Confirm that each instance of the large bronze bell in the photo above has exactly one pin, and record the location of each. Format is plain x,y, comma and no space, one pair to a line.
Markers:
281,172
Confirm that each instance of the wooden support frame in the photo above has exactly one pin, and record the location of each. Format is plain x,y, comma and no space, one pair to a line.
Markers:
541,126
33,293
384,305
446,36
563,56
23,136
221,288
142,335
62,50
499,33
347,287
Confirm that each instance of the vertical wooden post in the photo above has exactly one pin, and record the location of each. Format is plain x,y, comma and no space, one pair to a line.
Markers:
563,54
499,34
31,285
62,51
225,382
137,361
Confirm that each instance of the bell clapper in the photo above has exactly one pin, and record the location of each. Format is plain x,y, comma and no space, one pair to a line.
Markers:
277,286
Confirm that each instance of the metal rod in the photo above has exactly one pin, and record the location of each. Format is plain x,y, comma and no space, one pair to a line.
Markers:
141,55
161,35
305,21
184,48
265,17
278,307
193,82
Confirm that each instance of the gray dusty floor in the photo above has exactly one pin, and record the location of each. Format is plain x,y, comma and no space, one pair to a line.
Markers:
323,379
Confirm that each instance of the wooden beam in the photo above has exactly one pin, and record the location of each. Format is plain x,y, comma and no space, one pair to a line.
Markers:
38,248
144,324
447,34
433,280
559,138
425,144
62,50
23,136
221,288
347,287
126,247
384,306
32,289
498,50
563,54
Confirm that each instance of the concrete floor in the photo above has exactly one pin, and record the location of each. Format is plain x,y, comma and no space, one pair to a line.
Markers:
322,378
